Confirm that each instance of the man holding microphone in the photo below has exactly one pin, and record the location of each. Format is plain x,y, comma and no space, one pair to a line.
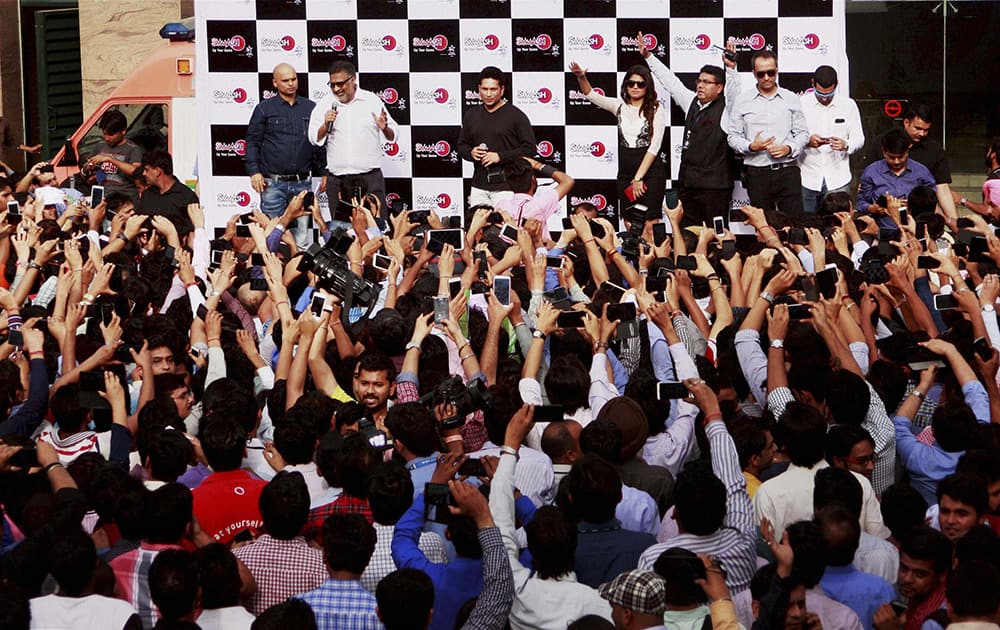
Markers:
353,123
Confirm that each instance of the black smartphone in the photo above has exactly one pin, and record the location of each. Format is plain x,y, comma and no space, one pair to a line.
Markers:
728,249
25,458
216,257
927,262
881,201
202,312
686,262
798,312
964,223
479,258
472,468
243,231
256,260
571,319
309,200
417,217
494,218
659,233
382,262
96,196
258,284
904,216
508,233
945,302
553,262
220,232
13,213
107,312
91,383
830,220
983,348
597,230
670,198
797,236
170,252
919,358
671,390
657,285
451,236
826,282
549,413
558,294
437,498
343,212
624,312
615,292
15,338
567,223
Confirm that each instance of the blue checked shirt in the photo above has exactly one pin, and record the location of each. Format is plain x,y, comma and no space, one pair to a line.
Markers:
343,605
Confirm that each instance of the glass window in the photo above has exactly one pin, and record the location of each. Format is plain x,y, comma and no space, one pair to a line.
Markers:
147,127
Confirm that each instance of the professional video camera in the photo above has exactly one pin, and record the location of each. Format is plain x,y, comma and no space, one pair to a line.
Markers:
466,398
329,263
631,242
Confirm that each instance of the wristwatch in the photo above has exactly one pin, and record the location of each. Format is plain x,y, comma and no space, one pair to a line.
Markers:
537,334
764,295
963,201
777,343
412,345
989,308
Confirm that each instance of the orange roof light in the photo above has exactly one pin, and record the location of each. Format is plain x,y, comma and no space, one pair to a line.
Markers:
184,65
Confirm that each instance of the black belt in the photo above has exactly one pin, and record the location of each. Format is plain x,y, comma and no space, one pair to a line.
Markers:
293,177
772,167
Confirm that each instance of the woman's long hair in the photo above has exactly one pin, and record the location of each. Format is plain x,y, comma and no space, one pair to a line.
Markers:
649,102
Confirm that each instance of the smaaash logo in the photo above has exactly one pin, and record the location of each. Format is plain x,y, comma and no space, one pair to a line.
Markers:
692,42
807,42
595,149
598,201
437,43
437,96
284,43
331,44
542,96
441,148
539,43
442,201
229,200
385,44
576,97
547,150
236,96
750,42
237,148
234,43
594,41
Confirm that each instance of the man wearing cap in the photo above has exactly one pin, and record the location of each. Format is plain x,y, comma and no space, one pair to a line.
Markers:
637,598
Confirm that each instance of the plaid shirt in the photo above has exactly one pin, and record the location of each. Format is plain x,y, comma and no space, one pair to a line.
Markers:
876,422
281,568
343,605
132,574
344,504
473,431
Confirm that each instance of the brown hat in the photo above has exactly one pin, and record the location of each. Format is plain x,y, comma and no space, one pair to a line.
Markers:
630,419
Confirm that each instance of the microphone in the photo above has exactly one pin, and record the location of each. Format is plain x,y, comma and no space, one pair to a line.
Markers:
329,125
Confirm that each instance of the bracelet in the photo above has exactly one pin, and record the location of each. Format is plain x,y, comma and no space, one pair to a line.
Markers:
467,357
712,276
451,439
48,468
211,339
38,352
919,394
644,272
506,450
547,171
188,285
715,415
463,347
599,346
413,345
590,240
280,302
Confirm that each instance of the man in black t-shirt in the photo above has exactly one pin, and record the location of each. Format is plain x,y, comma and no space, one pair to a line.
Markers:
917,123
493,134
166,195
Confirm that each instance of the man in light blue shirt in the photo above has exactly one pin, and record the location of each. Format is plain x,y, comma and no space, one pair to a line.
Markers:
767,126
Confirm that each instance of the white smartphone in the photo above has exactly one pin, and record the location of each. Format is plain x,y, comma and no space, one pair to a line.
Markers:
96,195
719,225
501,289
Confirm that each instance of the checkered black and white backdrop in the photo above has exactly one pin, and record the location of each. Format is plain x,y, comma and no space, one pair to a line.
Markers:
423,57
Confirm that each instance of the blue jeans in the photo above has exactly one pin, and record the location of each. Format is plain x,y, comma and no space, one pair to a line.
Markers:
811,199
275,199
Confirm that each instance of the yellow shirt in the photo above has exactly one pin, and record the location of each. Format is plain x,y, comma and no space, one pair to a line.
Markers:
752,483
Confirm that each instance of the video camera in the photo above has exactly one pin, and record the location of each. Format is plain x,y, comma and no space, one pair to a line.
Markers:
636,214
466,399
329,263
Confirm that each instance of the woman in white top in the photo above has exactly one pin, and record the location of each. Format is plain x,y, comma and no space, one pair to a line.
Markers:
642,176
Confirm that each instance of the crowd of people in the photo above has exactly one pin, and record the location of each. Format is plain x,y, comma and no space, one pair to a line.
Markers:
776,417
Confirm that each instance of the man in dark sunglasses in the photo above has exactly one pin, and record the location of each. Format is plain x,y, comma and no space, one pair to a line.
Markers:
767,126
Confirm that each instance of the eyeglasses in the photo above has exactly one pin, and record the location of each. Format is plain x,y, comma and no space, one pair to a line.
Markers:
704,82
338,84
766,73
636,84
186,393
861,461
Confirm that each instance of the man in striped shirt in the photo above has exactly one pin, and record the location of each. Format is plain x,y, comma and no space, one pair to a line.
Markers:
712,508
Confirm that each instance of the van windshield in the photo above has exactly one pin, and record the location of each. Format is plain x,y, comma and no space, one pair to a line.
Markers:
147,127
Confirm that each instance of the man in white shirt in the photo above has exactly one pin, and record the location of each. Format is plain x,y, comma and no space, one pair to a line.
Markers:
834,125
352,123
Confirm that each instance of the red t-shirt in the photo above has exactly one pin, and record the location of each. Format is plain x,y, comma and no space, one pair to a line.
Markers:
226,503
